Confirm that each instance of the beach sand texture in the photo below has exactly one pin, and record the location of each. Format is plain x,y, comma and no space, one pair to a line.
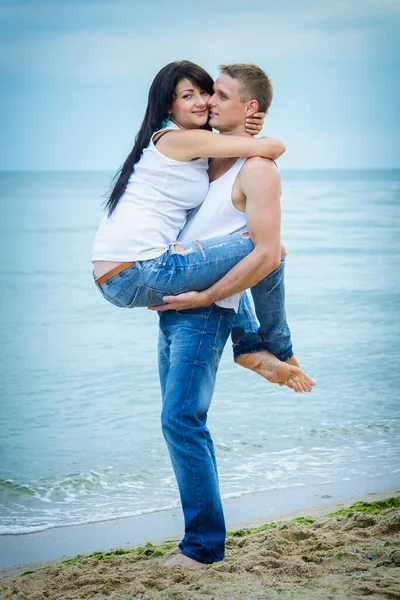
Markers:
353,554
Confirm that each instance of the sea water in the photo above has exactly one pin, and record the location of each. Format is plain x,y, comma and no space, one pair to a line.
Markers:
80,402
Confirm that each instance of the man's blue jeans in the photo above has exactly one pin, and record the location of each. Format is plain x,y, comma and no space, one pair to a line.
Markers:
190,348
261,320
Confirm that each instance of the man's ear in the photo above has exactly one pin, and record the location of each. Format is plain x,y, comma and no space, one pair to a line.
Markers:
251,108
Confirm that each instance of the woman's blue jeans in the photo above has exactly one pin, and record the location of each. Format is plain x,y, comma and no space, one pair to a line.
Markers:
200,266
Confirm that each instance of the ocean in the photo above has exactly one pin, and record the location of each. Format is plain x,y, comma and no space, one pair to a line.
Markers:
80,437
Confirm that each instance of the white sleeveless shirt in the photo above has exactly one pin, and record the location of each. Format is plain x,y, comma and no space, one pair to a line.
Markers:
153,208
217,216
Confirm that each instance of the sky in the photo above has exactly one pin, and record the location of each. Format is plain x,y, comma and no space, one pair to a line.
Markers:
74,75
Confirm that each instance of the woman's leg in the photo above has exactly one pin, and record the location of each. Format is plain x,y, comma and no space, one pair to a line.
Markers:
192,266
183,268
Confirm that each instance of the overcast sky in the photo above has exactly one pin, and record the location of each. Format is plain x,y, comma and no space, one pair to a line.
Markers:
75,75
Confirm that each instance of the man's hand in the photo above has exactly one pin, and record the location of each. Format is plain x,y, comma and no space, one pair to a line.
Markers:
183,302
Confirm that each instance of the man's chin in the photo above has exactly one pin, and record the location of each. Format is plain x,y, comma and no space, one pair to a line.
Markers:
213,122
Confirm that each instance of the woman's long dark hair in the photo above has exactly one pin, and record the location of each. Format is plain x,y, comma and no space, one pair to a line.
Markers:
161,96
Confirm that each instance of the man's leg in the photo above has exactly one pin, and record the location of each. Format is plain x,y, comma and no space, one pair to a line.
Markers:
262,324
192,342
260,329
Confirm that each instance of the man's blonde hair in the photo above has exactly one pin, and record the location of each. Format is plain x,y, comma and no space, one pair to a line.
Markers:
254,84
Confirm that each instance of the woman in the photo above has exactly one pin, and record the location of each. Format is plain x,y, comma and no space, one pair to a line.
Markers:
135,259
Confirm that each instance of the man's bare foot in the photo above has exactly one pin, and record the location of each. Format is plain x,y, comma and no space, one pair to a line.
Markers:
274,370
176,550
180,560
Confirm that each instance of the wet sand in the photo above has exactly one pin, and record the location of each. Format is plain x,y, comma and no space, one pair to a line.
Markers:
249,509
347,556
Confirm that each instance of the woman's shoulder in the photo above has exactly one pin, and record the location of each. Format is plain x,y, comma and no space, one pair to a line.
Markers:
174,147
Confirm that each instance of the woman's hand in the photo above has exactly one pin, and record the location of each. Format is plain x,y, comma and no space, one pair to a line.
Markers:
255,123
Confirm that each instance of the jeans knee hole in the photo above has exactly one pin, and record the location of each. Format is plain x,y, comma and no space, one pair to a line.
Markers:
179,249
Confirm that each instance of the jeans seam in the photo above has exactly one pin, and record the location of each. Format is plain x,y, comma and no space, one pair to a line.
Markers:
212,262
215,341
184,437
249,314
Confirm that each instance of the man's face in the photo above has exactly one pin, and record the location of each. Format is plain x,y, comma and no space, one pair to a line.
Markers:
227,111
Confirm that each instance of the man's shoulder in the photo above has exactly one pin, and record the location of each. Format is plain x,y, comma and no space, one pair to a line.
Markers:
259,168
258,163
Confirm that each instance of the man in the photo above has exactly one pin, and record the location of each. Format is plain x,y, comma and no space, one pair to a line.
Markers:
244,196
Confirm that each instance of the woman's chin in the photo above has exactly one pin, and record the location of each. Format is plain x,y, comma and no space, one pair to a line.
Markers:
200,120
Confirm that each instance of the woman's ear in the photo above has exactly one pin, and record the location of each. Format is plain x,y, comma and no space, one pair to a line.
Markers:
251,108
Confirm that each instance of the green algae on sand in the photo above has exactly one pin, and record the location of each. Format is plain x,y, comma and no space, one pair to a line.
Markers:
372,508
151,551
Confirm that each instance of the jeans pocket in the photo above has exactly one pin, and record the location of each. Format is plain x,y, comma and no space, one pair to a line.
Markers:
122,295
156,297
148,296
193,312
136,296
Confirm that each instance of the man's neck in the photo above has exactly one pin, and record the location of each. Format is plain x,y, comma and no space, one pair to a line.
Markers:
219,166
239,130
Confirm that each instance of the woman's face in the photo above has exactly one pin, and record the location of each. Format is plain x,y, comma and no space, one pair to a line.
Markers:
189,109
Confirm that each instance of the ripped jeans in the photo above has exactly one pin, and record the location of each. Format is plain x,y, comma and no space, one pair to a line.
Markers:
204,263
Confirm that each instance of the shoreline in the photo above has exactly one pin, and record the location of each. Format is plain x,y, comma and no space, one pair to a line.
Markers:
32,551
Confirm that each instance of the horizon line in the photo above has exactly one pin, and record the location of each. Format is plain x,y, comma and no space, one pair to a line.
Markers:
280,168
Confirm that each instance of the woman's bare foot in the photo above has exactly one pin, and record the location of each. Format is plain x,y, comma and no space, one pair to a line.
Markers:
275,371
176,550
180,560
295,363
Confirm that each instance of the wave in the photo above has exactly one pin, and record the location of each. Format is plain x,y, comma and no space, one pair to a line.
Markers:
21,529
24,529
70,486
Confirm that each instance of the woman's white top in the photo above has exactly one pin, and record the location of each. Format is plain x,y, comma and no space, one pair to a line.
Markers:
153,208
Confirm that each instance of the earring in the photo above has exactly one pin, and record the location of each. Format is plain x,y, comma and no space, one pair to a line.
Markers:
166,122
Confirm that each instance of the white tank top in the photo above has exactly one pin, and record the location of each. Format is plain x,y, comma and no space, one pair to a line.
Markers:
217,216
153,208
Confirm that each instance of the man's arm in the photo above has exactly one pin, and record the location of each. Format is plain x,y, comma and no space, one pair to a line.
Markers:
260,182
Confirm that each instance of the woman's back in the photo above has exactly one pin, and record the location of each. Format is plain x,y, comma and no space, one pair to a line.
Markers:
152,210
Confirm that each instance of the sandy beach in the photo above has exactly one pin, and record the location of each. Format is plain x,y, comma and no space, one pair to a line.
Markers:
350,552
